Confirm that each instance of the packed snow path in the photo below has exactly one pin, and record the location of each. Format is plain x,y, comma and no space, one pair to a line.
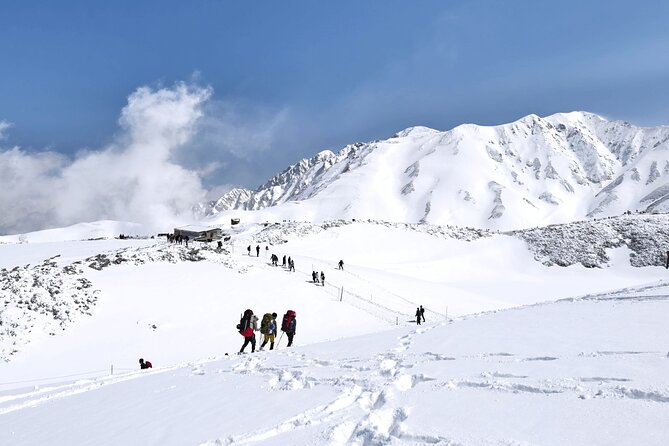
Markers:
593,370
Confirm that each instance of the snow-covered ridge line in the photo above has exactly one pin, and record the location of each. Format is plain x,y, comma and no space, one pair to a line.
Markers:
583,242
554,169
277,233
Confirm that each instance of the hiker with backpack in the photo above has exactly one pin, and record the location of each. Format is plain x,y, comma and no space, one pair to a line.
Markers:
289,326
322,278
248,249
291,265
257,250
341,264
314,277
422,313
247,326
145,364
268,329
417,315
284,260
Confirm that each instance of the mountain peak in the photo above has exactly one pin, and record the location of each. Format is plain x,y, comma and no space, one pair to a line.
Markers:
531,172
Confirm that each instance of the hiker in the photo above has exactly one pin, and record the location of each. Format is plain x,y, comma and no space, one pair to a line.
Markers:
219,244
284,260
145,364
418,316
341,264
314,277
422,313
247,325
186,240
289,326
292,266
257,250
268,329
322,278
667,264
248,249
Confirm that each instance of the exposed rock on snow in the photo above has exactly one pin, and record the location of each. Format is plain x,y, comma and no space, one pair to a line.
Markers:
46,298
587,242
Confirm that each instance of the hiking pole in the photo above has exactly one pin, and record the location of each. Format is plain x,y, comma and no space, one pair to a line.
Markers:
279,341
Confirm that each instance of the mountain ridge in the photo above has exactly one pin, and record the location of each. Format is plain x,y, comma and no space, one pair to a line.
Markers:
531,172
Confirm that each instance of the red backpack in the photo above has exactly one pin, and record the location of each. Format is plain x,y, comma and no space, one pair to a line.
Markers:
148,364
287,320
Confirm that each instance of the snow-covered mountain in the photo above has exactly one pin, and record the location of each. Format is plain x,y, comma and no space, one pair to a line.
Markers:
535,171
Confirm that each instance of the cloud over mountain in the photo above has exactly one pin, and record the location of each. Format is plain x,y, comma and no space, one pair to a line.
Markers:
134,178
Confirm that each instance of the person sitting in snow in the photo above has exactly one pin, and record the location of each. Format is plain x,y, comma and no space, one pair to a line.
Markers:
144,364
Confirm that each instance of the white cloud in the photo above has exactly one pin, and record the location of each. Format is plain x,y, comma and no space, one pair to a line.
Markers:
4,125
133,179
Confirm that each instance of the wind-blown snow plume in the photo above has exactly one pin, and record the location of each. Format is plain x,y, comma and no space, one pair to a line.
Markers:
135,178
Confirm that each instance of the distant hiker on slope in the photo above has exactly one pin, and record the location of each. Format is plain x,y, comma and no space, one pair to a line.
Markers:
246,329
268,328
289,326
292,265
418,316
145,364
422,313
322,278
186,240
314,277
257,250
248,249
284,260
341,264
667,263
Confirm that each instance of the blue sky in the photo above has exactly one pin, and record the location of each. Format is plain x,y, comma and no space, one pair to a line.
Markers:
311,75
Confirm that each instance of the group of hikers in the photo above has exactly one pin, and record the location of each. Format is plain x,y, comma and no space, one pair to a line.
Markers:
314,277
178,239
248,326
287,262
420,314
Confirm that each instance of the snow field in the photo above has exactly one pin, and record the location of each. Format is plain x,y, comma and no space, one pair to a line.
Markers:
585,370
588,371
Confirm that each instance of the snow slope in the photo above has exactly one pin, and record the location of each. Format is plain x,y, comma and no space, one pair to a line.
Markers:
580,372
532,172
571,372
